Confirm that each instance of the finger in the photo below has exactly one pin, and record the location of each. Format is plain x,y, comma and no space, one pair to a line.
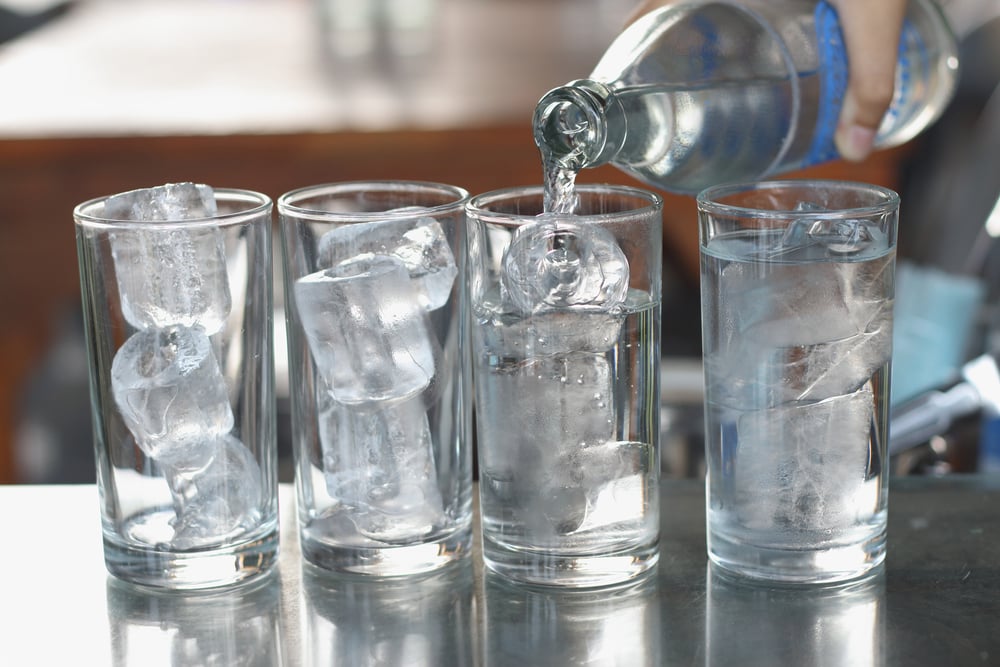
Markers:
871,36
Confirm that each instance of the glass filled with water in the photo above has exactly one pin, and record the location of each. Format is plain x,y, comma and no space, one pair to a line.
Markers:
379,391
176,286
565,313
797,284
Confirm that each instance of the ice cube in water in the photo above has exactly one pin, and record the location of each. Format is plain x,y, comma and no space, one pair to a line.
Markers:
835,236
801,331
418,241
370,338
169,274
563,404
551,332
171,393
804,466
553,263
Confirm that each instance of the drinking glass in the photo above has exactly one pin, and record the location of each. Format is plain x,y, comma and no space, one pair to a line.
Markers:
566,341
379,388
797,297
177,307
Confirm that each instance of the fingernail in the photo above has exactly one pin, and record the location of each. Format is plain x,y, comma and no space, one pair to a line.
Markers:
854,142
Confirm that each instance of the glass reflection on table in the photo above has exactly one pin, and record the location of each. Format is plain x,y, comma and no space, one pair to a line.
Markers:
534,626
232,626
417,621
751,623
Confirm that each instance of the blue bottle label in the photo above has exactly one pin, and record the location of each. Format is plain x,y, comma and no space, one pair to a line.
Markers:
833,83
833,79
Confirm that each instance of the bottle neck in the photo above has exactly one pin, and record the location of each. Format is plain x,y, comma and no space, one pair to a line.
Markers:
581,124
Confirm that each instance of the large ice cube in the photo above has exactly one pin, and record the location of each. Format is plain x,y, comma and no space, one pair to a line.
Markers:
801,332
369,336
419,242
607,486
554,263
219,499
549,409
805,466
169,274
379,464
171,394
815,237
551,332
173,201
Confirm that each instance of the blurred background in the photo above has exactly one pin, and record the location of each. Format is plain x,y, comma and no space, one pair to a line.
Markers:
104,96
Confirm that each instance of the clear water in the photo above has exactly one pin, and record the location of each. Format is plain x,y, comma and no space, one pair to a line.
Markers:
797,355
571,470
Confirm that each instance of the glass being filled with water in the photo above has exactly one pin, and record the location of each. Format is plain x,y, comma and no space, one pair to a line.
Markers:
565,305
380,399
176,287
797,284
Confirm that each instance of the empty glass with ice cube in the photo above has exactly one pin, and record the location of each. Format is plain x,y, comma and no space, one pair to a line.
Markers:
380,396
797,286
566,347
176,287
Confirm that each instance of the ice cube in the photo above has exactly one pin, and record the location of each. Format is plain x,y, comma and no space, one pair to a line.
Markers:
218,500
173,201
171,393
550,332
553,263
419,242
801,332
557,406
169,274
834,236
608,486
804,466
379,463
369,336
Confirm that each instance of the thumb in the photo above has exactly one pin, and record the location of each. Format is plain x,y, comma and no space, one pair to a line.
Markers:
871,36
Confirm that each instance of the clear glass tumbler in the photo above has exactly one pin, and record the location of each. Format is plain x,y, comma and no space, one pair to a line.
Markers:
797,285
179,329
379,385
566,345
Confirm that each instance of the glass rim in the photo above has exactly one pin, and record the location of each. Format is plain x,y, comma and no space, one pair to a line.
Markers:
708,199
477,203
258,201
287,206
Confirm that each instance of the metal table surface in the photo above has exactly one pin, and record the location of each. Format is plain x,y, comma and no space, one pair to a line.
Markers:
936,601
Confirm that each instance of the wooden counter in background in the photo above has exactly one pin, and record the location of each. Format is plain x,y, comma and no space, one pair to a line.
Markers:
490,63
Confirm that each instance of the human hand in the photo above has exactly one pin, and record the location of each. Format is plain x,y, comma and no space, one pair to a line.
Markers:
871,37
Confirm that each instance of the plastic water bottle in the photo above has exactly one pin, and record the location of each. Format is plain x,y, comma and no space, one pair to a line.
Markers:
699,93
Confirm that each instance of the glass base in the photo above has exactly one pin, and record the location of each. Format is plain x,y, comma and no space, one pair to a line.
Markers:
797,566
570,571
192,570
388,561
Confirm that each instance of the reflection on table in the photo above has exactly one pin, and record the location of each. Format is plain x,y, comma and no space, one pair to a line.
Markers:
935,603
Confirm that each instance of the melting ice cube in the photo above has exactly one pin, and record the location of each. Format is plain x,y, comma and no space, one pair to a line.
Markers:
805,466
169,274
370,338
419,242
552,408
551,332
801,331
